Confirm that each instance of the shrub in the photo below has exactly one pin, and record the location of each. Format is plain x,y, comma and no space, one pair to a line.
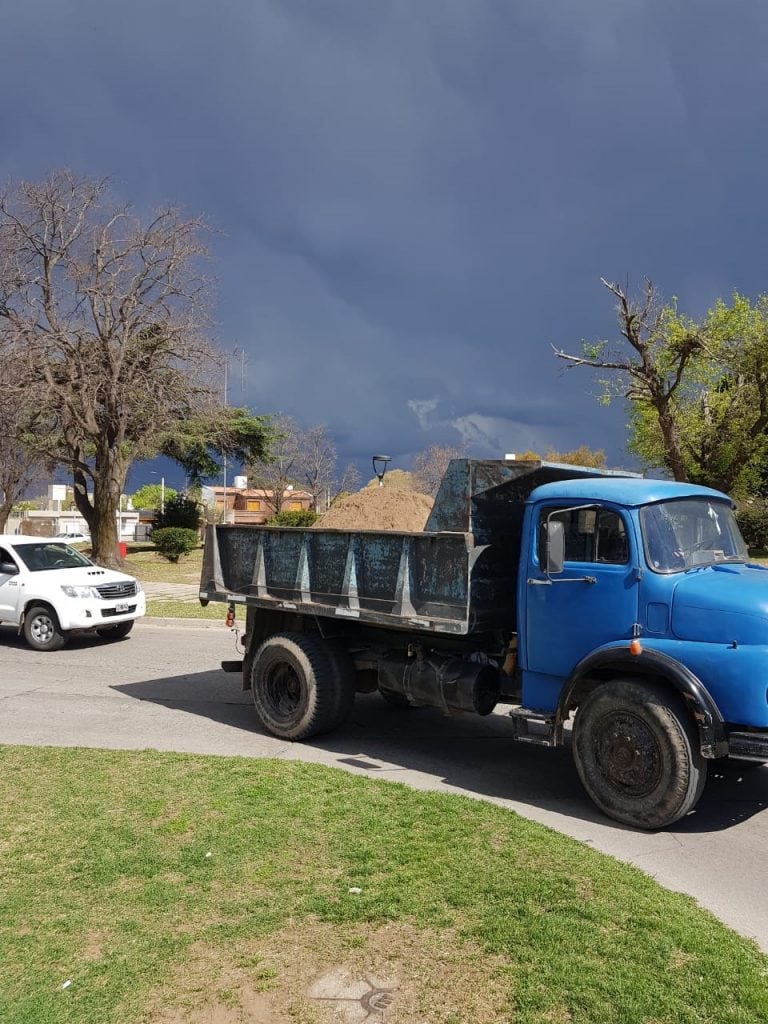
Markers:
752,517
180,511
172,542
294,517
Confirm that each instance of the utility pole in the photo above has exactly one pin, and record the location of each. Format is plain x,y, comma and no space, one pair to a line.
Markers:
226,381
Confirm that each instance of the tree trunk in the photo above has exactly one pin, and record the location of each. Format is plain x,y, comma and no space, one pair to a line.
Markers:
673,455
5,511
102,516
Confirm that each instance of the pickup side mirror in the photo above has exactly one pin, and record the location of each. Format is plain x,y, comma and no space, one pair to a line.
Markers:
555,551
8,569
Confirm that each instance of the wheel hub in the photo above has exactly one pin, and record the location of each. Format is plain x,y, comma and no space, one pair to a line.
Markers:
283,690
42,629
627,753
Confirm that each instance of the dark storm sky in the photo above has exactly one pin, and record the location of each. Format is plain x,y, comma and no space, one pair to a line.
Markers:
415,199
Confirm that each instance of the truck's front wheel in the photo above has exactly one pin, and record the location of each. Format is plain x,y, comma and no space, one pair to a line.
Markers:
298,686
637,754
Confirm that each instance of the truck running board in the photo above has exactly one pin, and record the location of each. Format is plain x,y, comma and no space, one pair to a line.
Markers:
533,726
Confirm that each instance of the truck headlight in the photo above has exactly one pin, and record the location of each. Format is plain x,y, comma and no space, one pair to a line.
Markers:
80,591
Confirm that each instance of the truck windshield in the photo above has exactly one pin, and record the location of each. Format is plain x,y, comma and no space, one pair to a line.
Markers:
690,532
50,554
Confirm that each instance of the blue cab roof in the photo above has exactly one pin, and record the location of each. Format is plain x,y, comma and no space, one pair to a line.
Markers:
630,491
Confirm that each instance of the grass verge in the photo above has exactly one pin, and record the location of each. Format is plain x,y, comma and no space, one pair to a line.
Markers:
169,888
186,610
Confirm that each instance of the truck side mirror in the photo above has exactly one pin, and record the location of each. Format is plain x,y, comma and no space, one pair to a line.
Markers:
8,569
555,552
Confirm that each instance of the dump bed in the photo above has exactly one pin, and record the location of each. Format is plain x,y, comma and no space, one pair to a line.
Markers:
458,576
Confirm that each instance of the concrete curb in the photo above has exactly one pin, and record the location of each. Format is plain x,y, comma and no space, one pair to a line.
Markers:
163,622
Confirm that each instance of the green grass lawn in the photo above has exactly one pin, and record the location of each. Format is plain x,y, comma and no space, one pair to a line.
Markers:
144,563
172,888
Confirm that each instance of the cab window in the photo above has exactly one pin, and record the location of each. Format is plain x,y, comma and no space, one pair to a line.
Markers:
594,535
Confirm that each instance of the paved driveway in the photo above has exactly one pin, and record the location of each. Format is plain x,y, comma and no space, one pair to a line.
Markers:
161,688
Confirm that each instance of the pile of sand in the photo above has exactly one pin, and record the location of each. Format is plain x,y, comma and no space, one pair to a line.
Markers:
377,508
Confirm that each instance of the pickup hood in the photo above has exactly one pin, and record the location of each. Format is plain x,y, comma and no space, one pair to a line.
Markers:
721,604
81,576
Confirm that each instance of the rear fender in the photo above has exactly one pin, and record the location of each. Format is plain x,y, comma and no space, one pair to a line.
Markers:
611,662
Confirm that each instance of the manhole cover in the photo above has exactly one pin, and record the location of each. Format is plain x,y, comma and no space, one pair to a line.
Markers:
353,998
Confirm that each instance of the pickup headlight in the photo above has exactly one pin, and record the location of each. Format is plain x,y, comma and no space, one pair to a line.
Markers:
80,591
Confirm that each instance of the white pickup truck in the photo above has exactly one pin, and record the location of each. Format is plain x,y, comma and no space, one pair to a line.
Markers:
49,590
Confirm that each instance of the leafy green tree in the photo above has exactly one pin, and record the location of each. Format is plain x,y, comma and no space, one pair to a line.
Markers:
581,456
180,512
198,442
650,366
152,496
722,408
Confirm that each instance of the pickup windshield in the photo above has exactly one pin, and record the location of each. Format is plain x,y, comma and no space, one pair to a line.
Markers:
690,532
50,554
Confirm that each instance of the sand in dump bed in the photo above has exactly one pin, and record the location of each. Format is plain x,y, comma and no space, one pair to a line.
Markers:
376,508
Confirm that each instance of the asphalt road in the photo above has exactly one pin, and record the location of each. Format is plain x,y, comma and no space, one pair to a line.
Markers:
161,688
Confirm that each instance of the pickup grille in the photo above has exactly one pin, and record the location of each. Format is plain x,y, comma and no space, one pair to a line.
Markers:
115,591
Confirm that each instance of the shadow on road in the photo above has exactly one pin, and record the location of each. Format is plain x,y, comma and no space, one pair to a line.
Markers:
465,752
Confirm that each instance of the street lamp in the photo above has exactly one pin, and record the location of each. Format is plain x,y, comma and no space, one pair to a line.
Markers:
380,466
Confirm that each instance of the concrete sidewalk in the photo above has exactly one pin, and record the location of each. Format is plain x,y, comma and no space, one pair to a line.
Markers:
187,592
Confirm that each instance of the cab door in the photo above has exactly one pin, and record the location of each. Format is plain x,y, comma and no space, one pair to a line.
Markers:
9,590
593,601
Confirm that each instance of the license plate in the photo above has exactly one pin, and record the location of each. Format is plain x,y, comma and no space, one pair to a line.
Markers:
122,606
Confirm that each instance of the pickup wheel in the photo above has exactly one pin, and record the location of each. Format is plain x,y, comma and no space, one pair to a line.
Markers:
301,685
42,630
116,632
637,754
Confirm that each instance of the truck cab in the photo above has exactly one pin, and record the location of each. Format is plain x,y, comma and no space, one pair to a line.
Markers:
639,593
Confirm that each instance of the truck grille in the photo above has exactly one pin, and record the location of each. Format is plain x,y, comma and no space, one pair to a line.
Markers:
114,591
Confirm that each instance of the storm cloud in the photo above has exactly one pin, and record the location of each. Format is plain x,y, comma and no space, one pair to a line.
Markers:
413,201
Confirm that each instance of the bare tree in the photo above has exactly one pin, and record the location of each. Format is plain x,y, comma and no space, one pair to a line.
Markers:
107,313
653,372
346,483
430,465
318,465
20,463
282,467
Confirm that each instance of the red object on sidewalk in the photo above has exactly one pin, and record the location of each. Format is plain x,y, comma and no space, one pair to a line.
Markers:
122,548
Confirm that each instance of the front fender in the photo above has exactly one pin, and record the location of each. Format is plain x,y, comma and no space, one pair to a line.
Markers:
608,662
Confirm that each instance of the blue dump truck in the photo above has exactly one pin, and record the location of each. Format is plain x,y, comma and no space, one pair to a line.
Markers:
561,594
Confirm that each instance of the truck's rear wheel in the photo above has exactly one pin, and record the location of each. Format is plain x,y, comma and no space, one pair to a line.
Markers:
300,686
42,630
637,754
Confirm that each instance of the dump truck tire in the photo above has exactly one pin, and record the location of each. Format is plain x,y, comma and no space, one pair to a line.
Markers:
637,754
299,686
